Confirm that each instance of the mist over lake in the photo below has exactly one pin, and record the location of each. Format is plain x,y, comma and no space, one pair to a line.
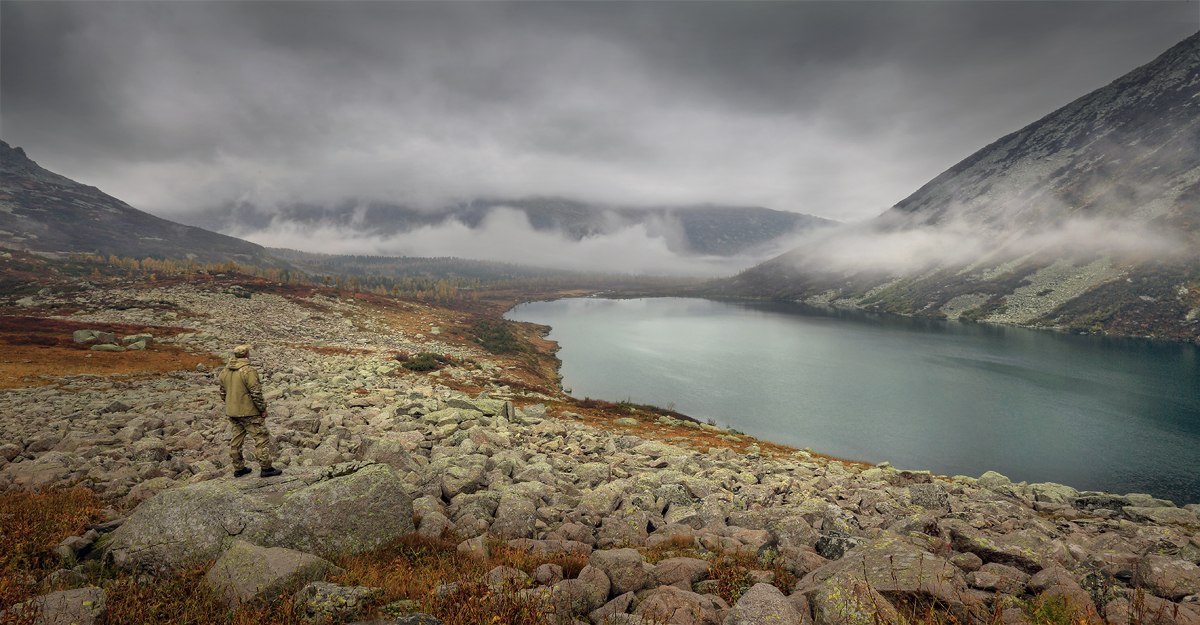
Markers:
1119,415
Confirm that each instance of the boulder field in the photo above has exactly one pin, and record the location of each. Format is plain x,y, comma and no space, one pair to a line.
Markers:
370,452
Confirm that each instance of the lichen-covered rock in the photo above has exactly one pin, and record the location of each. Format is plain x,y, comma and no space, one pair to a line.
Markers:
895,567
854,603
323,512
506,578
619,605
516,517
1169,578
998,578
581,595
1163,515
81,606
763,604
681,572
247,572
672,606
1029,550
323,602
624,568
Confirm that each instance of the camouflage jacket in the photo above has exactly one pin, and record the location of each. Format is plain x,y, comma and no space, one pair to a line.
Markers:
241,389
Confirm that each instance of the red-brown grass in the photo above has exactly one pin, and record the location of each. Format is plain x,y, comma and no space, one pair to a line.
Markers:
31,526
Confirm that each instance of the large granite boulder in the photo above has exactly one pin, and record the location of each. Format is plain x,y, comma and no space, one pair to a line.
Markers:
342,509
672,606
81,606
247,572
761,605
897,570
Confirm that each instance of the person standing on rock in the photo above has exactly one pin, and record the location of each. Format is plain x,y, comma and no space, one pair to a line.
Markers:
247,412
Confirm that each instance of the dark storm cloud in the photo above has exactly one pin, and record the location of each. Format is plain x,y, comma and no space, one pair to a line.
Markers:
836,109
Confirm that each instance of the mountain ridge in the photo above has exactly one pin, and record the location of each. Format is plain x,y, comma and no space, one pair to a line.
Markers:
1086,220
46,212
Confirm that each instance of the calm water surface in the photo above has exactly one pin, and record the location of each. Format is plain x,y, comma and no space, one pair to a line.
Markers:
956,398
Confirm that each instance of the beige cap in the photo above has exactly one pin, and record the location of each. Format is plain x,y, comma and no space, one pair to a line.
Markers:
241,350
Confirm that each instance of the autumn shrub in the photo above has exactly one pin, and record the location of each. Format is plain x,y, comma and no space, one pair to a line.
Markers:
32,524
412,568
496,337
732,571
423,361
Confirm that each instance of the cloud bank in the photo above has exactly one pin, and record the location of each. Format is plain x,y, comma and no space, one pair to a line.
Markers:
832,109
506,235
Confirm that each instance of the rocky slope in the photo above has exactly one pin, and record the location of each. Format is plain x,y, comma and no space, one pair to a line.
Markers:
45,212
1087,219
362,442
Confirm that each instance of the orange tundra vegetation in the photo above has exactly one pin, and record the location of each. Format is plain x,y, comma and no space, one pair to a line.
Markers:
35,347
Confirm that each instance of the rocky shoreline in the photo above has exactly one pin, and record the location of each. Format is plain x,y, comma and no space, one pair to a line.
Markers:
368,447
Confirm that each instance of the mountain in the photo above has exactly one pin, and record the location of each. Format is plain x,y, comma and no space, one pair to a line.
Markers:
1087,219
701,230
44,212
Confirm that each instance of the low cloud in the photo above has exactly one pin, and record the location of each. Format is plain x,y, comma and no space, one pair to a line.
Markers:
506,235
960,243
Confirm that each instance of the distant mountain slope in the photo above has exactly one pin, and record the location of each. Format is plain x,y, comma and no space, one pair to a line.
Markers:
702,230
45,212
1086,219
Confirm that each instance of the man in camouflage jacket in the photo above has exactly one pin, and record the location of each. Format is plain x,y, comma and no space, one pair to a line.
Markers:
247,412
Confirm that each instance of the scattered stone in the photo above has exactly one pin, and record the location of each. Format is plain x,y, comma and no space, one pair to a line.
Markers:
763,603
311,511
247,572
672,606
623,567
81,606
324,602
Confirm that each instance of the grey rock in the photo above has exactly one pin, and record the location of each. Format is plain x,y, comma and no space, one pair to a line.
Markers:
1051,492
325,602
63,579
548,549
579,596
81,606
548,574
1028,550
834,546
856,603
672,606
516,517
994,577
680,572
1169,578
931,496
897,568
623,567
247,572
763,604
308,511
619,605
968,562
623,529
506,577
1163,516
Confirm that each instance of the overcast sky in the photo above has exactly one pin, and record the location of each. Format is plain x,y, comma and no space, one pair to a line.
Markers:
834,109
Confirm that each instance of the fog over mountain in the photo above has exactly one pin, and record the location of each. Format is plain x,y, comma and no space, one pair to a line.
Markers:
831,109
1087,218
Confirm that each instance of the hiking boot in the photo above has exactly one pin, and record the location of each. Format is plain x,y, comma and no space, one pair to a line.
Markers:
240,472
269,472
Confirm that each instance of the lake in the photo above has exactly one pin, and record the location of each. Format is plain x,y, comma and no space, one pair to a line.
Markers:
1119,415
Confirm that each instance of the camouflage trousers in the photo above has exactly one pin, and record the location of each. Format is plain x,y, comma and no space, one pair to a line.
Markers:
257,427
